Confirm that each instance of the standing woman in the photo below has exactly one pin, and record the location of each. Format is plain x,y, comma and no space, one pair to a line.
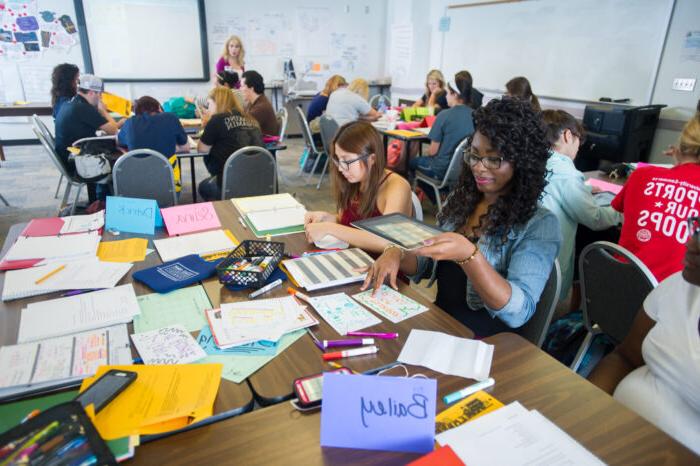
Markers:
232,58
435,95
64,85
520,88
493,264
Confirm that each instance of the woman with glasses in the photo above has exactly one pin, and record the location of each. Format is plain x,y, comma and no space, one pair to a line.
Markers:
362,188
492,263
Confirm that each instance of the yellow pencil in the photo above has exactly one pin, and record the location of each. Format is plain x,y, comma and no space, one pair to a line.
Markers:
49,275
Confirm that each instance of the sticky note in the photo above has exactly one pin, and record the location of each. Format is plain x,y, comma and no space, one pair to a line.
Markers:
132,215
190,218
126,250
378,412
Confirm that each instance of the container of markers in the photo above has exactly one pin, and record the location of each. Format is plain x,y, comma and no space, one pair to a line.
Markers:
250,264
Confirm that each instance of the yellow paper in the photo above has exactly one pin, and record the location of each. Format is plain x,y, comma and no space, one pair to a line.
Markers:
404,132
126,250
117,104
469,408
161,399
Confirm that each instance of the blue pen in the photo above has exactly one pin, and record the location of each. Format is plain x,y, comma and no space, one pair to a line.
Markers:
75,443
86,460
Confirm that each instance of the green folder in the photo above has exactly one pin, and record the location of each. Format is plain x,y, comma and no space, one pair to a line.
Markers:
275,232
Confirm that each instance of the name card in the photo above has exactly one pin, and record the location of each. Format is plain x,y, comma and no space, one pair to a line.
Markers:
378,413
132,215
190,218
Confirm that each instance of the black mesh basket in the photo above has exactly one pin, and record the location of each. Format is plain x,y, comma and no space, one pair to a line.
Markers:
249,278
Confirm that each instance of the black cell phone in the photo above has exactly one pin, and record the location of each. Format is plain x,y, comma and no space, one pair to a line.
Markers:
106,388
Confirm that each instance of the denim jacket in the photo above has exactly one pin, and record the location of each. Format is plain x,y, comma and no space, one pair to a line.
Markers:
525,260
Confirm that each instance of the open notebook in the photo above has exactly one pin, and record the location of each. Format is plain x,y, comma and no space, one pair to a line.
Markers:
274,215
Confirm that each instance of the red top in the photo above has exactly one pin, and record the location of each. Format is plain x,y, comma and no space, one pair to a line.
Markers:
656,202
351,214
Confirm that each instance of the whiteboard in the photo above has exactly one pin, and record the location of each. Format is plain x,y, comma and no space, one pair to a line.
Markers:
144,40
580,50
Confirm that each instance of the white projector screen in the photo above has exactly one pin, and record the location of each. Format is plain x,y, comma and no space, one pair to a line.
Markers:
144,40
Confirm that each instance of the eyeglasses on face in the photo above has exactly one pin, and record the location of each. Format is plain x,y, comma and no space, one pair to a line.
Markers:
491,162
345,164
694,226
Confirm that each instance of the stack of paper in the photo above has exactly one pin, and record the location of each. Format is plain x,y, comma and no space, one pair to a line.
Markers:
76,275
208,242
330,269
31,251
61,361
267,319
54,226
64,316
515,436
342,313
273,215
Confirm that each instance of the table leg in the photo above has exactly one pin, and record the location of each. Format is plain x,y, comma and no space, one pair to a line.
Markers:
406,154
2,153
194,181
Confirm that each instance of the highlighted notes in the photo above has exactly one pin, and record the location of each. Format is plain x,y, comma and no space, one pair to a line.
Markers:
190,218
131,215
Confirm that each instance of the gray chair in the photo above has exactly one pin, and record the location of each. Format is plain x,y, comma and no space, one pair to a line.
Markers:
328,129
451,175
309,142
612,291
282,118
145,174
250,171
417,207
376,101
40,126
71,179
536,328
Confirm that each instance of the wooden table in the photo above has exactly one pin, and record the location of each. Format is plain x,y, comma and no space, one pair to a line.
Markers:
23,111
405,151
281,435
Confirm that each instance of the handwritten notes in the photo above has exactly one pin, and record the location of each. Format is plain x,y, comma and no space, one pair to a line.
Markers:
390,304
132,215
168,345
343,314
126,250
190,218
378,413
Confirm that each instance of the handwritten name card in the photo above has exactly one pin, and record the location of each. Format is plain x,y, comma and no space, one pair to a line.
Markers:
132,215
190,218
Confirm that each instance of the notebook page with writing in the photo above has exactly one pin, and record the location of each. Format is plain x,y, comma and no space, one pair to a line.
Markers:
54,247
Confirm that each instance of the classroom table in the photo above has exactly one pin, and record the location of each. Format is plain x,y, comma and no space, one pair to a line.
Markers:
405,150
42,109
281,435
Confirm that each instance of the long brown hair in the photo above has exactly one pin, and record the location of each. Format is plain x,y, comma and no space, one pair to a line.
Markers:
358,137
520,87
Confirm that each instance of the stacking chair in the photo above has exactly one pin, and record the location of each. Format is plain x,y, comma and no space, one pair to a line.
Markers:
250,171
451,175
614,284
282,118
313,151
376,101
39,125
328,129
417,207
146,174
536,328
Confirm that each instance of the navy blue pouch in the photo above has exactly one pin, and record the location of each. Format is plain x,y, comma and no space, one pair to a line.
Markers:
176,274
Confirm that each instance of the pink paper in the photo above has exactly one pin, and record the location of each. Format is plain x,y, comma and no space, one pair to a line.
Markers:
604,185
190,218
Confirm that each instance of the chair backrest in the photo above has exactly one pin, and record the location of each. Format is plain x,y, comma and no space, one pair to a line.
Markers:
376,101
614,284
146,174
417,207
51,150
306,131
455,167
536,328
38,124
328,129
250,171
282,117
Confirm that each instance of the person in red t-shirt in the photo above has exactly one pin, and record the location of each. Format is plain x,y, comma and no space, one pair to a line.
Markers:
657,201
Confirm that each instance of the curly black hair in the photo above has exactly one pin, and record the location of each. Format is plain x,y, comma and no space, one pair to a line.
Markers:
517,133
63,81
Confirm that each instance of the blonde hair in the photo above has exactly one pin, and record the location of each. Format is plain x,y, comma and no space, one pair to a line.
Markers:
333,83
690,137
225,100
241,54
437,76
360,87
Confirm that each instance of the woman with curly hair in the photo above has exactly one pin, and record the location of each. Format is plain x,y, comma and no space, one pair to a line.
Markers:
64,85
492,263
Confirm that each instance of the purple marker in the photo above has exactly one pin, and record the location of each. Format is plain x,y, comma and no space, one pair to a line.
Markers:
382,336
348,342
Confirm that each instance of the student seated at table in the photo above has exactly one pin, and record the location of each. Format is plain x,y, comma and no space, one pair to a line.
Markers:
566,193
362,188
232,58
151,128
435,95
257,103
348,104
655,371
320,101
229,128
64,85
449,129
655,201
520,87
493,264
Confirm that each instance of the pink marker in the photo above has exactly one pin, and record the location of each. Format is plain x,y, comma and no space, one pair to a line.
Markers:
383,336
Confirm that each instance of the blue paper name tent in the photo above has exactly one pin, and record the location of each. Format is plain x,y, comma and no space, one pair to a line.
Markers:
378,413
132,215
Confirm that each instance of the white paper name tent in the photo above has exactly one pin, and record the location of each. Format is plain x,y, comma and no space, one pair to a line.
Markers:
448,354
208,242
273,215
514,436
168,345
390,304
58,361
190,218
331,269
342,313
54,248
64,316
401,230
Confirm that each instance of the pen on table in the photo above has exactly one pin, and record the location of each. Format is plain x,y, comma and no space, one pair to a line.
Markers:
77,292
349,353
382,336
338,366
317,342
298,294
30,415
348,342
466,391
240,219
265,289
49,275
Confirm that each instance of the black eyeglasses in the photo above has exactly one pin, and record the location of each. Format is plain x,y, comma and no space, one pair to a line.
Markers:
345,164
491,162
693,226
